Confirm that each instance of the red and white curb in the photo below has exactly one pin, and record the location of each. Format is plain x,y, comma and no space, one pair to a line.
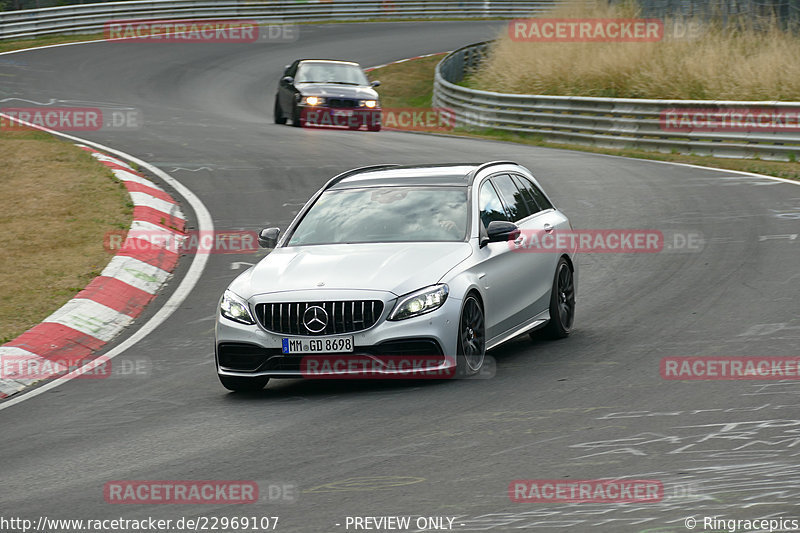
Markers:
404,60
112,300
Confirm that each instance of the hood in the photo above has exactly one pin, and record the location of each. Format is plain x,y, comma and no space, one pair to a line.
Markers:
394,267
333,90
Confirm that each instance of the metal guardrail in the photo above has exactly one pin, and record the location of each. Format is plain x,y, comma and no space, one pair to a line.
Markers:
91,18
605,122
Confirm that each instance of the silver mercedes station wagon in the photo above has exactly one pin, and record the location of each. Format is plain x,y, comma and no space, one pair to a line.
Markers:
389,265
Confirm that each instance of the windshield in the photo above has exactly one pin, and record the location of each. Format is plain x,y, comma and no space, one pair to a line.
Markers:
322,72
385,214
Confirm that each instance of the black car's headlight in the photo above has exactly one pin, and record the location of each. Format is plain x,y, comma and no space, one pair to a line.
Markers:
420,302
234,308
368,103
313,100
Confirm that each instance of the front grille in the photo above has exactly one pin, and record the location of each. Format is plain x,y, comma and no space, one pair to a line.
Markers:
342,102
342,317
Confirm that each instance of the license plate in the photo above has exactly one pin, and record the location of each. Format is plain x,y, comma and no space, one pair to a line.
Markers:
342,344
342,113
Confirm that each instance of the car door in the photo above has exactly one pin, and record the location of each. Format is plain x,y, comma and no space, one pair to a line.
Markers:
501,269
541,261
532,270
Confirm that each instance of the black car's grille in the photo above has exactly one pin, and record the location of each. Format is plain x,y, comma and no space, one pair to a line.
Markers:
342,102
338,317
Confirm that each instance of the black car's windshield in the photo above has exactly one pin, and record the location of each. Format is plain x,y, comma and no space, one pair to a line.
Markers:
327,72
385,214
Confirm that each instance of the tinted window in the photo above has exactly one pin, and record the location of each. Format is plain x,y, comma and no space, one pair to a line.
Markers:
385,214
490,205
512,196
541,200
527,193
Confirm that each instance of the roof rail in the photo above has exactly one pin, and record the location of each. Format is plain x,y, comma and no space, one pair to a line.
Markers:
489,164
346,174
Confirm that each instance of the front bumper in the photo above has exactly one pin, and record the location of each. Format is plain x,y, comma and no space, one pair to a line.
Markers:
351,117
422,345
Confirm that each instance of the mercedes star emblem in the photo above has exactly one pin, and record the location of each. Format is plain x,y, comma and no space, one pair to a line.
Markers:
315,319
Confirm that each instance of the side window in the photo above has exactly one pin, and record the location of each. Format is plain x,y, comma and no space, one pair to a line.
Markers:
538,196
490,205
512,196
524,187
291,70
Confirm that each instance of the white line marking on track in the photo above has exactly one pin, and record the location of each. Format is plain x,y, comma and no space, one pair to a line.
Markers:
192,169
789,236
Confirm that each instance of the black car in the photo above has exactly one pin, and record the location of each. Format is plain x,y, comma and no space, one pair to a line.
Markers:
324,92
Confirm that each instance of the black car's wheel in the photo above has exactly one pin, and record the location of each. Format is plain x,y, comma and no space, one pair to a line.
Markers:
278,112
297,121
562,302
240,384
471,338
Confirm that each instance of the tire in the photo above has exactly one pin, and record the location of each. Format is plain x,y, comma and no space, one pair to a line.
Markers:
278,113
297,122
562,302
471,345
240,384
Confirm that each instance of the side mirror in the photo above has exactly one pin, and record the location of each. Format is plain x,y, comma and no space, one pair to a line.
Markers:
501,230
268,237
288,80
375,83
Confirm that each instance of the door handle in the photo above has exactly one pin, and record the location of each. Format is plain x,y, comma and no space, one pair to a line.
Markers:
548,228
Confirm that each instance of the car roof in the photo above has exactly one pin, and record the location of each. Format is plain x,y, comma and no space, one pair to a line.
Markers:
444,174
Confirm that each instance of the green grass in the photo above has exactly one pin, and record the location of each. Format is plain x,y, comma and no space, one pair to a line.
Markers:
60,203
21,44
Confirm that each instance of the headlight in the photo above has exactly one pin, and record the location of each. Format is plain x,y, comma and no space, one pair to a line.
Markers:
313,100
368,103
420,302
235,308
